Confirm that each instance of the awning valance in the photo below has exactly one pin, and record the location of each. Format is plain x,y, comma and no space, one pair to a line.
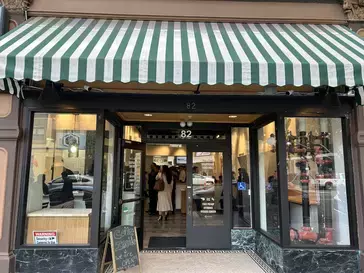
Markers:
11,86
182,52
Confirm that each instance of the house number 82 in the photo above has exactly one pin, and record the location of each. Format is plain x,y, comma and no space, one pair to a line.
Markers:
191,105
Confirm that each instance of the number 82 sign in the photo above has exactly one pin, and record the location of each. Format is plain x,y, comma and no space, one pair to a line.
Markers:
186,134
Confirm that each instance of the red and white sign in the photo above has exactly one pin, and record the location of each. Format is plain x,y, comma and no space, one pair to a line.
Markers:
45,237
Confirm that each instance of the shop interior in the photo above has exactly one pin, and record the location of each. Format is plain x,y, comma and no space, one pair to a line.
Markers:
61,177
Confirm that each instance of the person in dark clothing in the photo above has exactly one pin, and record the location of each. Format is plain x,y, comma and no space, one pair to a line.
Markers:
41,179
67,197
153,194
243,176
175,174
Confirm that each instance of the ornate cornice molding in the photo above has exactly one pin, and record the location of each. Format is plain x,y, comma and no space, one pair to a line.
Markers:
16,5
354,9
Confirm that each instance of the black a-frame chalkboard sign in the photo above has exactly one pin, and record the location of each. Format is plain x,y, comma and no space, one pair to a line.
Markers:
122,242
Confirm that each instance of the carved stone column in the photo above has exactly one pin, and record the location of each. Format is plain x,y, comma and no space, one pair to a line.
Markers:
16,6
9,133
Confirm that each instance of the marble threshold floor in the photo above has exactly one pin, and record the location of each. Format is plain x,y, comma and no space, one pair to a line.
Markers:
197,263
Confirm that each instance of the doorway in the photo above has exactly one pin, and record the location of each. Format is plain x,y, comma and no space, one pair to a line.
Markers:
208,192
202,214
169,233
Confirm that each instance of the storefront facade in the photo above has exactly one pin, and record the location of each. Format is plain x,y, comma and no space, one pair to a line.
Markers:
291,83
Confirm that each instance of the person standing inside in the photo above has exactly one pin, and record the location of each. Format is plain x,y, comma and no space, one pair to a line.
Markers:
67,198
153,194
164,204
182,174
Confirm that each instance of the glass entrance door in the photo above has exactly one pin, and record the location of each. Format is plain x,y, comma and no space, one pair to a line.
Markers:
208,189
132,206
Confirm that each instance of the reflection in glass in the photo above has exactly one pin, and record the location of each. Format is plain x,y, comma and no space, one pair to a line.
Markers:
130,214
240,177
268,182
207,177
132,174
107,178
61,178
132,133
316,181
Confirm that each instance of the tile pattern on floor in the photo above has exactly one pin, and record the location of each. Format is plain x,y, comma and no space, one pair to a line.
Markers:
206,262
175,226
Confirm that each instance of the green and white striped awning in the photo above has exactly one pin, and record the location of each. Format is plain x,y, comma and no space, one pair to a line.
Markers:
182,52
11,86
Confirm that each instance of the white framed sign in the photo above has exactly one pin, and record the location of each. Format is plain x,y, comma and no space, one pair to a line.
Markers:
45,237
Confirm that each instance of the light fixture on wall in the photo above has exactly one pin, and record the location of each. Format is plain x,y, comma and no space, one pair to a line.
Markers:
189,123
73,149
182,124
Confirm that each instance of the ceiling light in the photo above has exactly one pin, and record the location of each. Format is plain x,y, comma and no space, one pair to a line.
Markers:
182,124
233,116
148,115
189,123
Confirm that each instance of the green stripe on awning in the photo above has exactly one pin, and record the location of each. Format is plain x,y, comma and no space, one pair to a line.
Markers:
11,86
182,52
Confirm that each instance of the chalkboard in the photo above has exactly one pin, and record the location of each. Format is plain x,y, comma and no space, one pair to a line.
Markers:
124,248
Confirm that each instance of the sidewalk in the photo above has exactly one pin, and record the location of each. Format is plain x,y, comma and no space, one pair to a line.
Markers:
197,263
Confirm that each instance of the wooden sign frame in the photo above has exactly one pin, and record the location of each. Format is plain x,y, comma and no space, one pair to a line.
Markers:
110,240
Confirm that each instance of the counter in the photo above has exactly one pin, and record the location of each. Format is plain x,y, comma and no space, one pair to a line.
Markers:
72,225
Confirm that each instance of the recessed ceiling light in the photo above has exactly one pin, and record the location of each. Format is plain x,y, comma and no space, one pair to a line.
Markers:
233,116
148,115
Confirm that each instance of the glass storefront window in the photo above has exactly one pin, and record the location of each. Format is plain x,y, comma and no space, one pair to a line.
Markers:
268,182
316,182
60,183
132,133
240,177
107,179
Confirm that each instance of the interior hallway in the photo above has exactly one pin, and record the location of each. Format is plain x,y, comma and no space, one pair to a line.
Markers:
175,226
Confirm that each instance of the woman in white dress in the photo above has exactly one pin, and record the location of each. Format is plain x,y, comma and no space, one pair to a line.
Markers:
164,204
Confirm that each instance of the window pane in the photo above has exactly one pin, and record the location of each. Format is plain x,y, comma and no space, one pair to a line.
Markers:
241,177
131,213
268,182
207,177
107,179
132,133
62,153
132,174
316,182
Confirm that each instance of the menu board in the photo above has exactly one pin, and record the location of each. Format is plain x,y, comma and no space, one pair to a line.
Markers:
124,248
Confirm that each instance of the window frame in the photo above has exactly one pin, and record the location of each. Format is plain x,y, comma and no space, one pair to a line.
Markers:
115,170
349,175
279,119
24,152
251,173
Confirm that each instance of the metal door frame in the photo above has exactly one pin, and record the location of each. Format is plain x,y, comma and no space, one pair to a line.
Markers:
209,237
139,146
